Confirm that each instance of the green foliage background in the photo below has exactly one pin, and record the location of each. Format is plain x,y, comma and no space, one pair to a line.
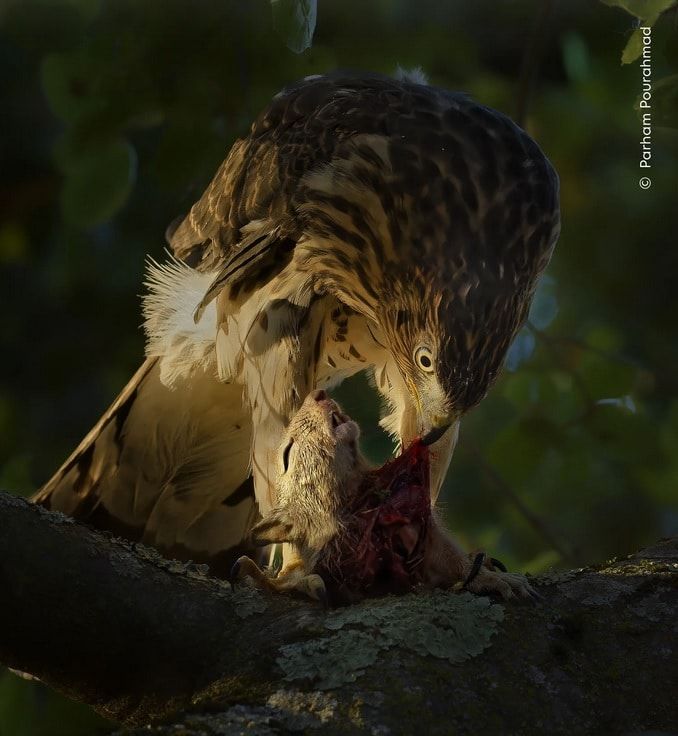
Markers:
116,113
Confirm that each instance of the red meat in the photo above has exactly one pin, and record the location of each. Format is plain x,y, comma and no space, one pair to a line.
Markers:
380,547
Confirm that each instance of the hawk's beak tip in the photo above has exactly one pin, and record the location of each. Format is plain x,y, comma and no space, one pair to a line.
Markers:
433,435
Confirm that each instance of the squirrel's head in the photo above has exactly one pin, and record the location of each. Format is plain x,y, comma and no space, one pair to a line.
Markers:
318,465
320,439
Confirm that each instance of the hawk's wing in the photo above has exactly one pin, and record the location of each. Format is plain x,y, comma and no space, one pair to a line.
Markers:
250,212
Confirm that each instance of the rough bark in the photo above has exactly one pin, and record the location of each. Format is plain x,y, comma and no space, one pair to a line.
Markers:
141,639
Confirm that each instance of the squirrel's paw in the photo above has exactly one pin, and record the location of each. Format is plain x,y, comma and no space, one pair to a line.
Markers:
289,580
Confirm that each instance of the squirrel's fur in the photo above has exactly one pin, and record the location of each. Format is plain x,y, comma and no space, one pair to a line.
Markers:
320,470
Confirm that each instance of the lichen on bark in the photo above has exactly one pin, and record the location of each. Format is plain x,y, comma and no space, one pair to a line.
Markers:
451,626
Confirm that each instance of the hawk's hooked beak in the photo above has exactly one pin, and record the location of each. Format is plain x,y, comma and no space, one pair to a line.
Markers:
433,435
438,423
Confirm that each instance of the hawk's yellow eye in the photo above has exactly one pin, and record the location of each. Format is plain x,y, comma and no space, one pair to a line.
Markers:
423,357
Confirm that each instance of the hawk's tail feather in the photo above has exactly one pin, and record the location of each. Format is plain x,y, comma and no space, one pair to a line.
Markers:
135,473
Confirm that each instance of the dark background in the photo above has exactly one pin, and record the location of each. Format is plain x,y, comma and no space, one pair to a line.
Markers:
114,115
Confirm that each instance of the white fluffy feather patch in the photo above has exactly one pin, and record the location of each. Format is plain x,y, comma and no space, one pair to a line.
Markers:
174,290
415,75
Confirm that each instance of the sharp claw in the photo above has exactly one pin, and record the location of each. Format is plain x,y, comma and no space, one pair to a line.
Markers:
475,568
315,588
498,564
233,575
323,597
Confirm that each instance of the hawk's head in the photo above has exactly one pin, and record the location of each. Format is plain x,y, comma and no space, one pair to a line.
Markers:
434,219
449,333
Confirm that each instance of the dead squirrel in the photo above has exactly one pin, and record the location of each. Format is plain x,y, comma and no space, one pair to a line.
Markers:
356,530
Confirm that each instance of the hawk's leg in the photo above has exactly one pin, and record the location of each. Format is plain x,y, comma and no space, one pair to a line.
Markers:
484,575
447,566
293,578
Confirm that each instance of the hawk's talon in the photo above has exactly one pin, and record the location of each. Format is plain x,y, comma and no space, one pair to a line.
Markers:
291,579
475,568
320,594
234,574
498,564
486,577
313,586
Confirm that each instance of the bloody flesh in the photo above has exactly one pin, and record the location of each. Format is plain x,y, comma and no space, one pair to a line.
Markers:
381,545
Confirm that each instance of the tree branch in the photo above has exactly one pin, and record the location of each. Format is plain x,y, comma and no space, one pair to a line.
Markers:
140,638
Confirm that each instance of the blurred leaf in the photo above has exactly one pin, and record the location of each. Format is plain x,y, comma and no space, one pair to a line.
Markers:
98,182
576,57
633,48
647,12
295,21
67,84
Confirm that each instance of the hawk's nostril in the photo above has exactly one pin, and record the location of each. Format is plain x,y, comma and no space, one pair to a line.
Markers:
319,395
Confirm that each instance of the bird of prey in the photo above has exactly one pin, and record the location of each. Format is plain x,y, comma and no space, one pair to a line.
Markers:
364,223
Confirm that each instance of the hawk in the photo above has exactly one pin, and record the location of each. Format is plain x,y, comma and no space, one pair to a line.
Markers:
366,223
